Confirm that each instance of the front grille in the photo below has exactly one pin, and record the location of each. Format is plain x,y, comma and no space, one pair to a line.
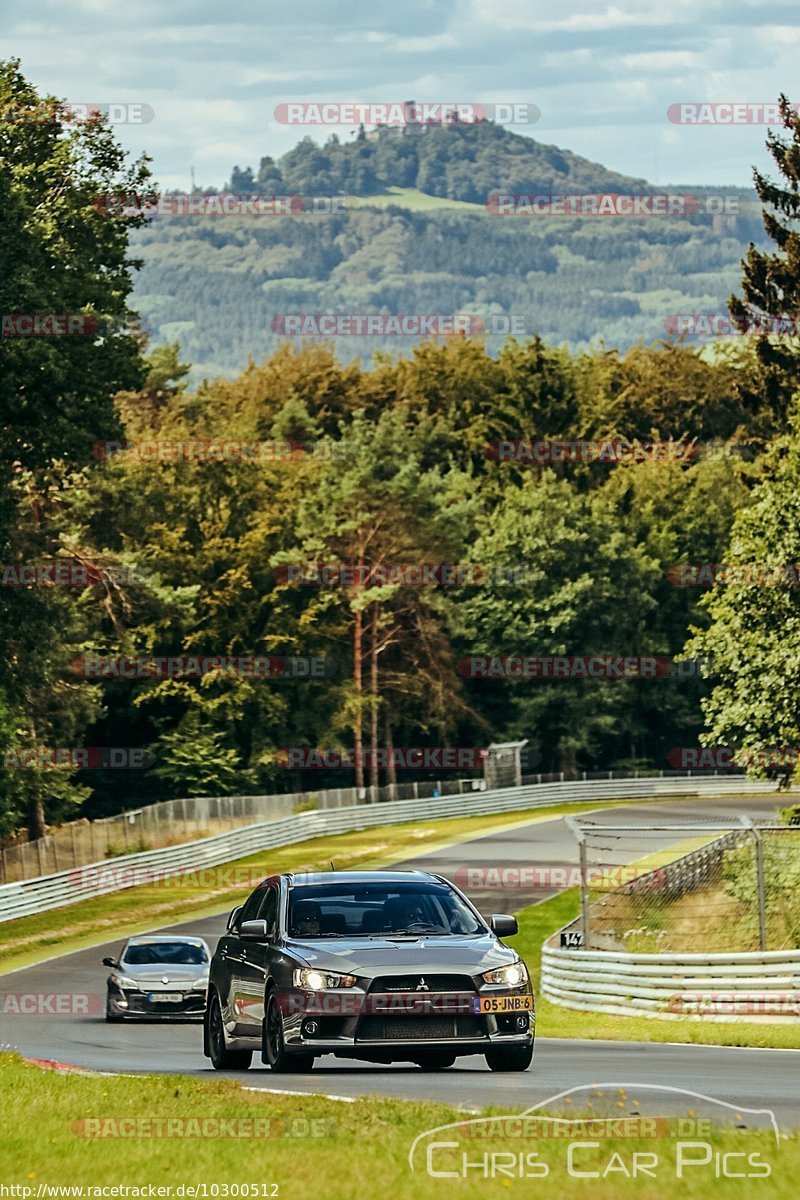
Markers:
191,1003
418,1029
433,983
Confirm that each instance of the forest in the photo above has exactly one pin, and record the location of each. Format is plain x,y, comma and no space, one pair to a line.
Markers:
194,515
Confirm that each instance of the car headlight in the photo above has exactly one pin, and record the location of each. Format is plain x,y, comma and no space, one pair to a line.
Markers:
122,981
311,980
511,975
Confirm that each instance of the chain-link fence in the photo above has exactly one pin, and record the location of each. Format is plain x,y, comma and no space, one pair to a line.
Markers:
172,822
687,888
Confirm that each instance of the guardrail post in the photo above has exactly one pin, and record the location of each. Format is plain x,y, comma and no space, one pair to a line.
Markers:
573,825
762,900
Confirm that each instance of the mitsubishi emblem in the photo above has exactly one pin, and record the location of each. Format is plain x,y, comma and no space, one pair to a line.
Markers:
422,985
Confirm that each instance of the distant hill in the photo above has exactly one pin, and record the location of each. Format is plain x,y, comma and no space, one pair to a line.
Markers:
413,235
464,162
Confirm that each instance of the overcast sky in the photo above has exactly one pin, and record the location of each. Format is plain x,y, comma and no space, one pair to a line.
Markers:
603,75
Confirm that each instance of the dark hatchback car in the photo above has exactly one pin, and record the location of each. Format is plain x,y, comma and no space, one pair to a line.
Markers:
160,975
385,966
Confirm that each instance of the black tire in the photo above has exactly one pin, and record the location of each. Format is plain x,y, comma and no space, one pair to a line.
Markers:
436,1061
509,1058
222,1059
274,1052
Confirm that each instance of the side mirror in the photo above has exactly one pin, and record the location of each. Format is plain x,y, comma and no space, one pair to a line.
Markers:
254,931
232,919
503,925
110,962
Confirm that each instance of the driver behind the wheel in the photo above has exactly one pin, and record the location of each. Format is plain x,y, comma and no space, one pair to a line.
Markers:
402,912
307,919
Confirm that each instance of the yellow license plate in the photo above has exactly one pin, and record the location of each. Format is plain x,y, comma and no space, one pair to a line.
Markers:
503,1004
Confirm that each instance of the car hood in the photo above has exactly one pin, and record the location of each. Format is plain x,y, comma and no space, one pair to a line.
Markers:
157,973
370,956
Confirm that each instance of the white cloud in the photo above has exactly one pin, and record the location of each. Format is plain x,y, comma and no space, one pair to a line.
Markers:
663,60
603,72
549,15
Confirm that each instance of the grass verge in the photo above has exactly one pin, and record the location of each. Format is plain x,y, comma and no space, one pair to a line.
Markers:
354,1146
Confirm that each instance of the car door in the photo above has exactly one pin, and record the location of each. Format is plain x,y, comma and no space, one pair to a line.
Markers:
255,963
235,952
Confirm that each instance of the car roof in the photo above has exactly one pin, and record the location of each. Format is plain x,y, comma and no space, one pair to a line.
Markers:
298,878
145,939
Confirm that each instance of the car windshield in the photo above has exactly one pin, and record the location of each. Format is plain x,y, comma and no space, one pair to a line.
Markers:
379,910
186,953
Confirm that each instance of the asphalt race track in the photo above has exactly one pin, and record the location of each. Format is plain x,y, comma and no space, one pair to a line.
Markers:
742,1077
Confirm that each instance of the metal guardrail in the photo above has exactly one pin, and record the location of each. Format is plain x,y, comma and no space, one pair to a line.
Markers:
171,822
716,987
67,887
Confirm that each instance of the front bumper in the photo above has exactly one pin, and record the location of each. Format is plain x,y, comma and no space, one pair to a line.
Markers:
382,1023
129,1003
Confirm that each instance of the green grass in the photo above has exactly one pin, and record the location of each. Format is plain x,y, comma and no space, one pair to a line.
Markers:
360,1149
410,198
136,910
536,924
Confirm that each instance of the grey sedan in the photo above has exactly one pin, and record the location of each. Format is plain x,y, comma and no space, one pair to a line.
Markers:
384,966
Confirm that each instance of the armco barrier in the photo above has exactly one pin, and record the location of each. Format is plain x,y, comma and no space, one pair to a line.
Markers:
715,987
67,887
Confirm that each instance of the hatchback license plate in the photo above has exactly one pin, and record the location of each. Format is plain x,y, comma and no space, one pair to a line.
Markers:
503,1004
165,997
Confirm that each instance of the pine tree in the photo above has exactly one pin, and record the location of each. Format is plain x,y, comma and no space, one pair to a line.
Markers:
771,282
